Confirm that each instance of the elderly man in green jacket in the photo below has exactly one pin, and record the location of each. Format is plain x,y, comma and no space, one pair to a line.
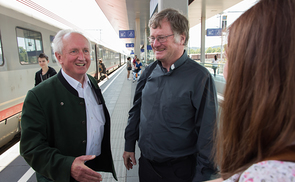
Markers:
65,122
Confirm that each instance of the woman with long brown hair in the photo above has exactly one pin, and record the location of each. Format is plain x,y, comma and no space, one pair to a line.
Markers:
255,138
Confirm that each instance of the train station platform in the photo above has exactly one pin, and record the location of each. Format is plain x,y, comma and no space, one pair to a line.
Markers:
118,93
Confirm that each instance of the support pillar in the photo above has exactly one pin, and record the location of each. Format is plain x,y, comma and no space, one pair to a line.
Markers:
145,45
203,31
137,38
181,6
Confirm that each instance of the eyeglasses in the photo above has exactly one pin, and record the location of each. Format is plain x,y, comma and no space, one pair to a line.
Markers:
160,39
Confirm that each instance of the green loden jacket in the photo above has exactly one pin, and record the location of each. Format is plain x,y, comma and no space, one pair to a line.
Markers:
54,130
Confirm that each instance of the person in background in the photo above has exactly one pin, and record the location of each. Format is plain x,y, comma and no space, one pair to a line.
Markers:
102,69
65,122
134,60
215,64
137,70
46,71
172,117
129,67
255,138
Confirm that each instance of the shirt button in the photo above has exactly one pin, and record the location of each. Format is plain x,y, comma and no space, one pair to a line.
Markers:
84,141
83,122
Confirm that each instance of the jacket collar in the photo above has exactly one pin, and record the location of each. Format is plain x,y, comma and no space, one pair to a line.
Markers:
74,91
66,84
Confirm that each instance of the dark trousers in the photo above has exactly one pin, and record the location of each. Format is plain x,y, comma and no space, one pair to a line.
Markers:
214,68
178,170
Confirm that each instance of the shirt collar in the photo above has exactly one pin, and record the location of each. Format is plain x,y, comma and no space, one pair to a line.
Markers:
74,83
178,62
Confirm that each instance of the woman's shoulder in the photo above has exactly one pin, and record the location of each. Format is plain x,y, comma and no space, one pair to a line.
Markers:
271,171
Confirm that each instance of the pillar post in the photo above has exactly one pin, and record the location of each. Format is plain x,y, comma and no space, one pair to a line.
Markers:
203,31
137,38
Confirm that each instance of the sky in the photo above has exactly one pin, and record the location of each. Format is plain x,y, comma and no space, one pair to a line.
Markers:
214,22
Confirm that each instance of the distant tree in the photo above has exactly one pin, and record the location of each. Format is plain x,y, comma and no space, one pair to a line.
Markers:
209,50
192,51
218,49
224,47
23,55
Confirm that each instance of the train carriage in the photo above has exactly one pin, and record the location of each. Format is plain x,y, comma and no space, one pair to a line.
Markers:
22,39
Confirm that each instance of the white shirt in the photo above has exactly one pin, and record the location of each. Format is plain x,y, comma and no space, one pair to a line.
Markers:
94,114
215,62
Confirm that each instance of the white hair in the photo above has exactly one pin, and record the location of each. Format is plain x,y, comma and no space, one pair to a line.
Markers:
57,44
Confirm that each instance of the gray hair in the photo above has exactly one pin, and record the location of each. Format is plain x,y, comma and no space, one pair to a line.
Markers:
179,23
57,43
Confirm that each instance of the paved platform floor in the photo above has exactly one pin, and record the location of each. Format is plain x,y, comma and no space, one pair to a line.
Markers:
119,98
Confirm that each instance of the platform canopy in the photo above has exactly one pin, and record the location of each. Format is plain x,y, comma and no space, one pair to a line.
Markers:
123,13
103,19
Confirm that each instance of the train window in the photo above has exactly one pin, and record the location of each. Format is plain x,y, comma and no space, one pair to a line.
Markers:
29,45
1,53
100,52
106,54
112,55
92,55
52,53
